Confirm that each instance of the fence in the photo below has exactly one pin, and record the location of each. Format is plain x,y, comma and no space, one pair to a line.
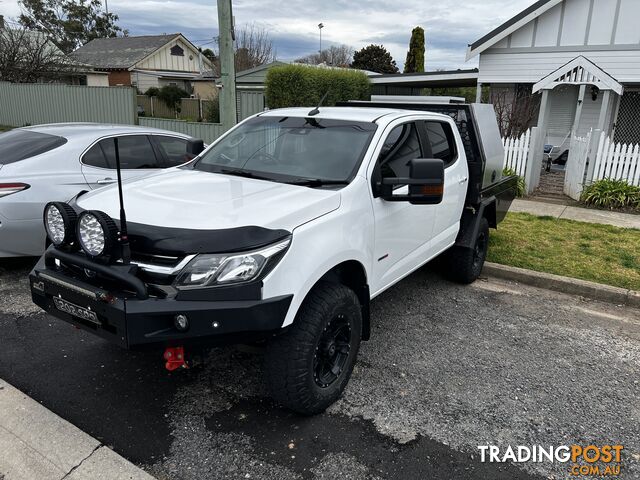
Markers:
576,165
617,161
516,152
206,131
32,104
190,108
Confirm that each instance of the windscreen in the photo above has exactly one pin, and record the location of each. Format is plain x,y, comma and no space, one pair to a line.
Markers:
17,145
292,148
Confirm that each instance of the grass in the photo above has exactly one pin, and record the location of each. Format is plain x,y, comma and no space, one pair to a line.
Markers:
598,253
4,128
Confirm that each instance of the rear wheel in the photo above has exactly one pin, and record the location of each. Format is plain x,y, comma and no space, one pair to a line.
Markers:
309,366
464,265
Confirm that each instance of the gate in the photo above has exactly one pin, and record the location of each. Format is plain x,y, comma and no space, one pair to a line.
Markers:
576,166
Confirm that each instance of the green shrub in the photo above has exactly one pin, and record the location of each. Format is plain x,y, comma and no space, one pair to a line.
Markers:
152,92
212,112
171,96
304,86
611,194
521,186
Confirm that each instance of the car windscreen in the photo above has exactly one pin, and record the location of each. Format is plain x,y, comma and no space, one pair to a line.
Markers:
291,149
16,145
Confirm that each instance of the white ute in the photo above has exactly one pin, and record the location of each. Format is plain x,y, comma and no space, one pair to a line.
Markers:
281,233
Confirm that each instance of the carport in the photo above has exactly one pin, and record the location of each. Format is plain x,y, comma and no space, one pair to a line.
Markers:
414,83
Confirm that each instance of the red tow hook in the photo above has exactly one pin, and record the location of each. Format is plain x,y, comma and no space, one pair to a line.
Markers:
175,358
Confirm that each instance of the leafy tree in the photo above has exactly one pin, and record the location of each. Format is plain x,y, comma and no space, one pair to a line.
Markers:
171,96
69,23
374,58
338,56
415,55
152,92
208,53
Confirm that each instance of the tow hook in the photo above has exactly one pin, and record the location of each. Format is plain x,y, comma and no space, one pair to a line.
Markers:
175,358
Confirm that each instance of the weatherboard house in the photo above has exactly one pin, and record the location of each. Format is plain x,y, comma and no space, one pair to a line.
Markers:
583,56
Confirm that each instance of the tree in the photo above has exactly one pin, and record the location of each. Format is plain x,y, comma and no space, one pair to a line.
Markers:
172,96
415,55
516,109
208,53
254,47
69,23
374,58
338,56
29,57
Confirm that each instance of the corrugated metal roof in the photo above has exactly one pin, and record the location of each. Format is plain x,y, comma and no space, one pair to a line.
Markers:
120,52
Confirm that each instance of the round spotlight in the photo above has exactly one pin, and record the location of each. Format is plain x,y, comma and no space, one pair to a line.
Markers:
60,222
181,322
97,233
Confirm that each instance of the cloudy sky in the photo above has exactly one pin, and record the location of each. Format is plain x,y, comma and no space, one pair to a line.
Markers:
449,24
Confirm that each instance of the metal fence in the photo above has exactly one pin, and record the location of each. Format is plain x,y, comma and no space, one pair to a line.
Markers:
206,131
32,104
191,109
249,103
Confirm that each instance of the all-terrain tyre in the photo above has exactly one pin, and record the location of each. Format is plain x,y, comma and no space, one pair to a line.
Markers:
308,367
463,265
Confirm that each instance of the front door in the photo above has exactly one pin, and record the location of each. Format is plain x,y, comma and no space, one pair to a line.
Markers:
402,230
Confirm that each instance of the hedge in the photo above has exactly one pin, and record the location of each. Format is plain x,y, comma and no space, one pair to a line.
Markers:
304,86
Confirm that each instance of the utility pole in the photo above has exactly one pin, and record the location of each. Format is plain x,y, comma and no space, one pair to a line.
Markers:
228,115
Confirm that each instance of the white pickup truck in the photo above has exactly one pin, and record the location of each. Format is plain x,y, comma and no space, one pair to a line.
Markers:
281,232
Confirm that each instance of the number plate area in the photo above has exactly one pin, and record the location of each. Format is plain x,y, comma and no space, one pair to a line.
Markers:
75,310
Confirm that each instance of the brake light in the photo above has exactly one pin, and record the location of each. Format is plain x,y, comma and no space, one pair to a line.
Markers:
9,188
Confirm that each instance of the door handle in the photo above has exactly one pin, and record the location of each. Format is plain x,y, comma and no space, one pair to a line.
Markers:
464,180
106,181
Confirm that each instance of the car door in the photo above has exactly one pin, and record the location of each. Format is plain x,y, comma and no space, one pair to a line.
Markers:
137,159
443,145
402,230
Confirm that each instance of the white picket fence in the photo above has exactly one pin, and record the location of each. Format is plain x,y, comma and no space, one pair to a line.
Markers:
516,152
616,161
576,164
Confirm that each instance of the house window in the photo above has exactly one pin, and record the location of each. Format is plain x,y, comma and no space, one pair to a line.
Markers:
177,51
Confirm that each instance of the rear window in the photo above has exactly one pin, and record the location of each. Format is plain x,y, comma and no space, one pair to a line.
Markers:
17,145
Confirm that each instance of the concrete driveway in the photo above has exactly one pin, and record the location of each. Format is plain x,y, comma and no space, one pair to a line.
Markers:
448,368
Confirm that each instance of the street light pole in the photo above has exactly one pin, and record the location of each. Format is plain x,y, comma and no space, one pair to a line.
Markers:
320,27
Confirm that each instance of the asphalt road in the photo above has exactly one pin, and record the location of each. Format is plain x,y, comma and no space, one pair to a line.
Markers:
448,368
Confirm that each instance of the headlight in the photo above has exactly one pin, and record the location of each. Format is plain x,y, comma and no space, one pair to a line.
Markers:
59,223
225,269
96,233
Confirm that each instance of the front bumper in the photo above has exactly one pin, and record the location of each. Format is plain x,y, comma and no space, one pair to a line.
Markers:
124,318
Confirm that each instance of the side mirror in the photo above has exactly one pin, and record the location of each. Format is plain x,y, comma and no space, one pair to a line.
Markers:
426,183
195,147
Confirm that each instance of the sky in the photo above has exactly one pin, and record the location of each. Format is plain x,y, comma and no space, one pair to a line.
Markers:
450,25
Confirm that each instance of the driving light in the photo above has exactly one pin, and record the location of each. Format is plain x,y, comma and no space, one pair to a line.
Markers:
96,233
181,322
225,269
59,223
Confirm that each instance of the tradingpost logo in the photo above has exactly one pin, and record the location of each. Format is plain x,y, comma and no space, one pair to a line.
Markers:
583,461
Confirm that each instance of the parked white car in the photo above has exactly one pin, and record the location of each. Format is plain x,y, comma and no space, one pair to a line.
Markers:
55,162
282,231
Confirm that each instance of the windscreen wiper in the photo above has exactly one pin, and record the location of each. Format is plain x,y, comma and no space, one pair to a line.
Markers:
243,173
316,182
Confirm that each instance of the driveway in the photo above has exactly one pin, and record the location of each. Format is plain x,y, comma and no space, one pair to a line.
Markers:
448,368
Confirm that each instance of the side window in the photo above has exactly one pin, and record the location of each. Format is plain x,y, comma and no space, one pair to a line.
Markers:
401,146
174,149
442,141
95,157
135,152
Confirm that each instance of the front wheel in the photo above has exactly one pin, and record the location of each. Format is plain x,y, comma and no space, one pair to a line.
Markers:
308,367
464,265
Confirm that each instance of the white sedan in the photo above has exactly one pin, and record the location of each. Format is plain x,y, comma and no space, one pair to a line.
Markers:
55,162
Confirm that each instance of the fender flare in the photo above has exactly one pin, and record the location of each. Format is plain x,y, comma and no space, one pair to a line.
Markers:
471,219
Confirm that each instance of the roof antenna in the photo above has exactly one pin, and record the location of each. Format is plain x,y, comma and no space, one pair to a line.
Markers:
316,110
124,236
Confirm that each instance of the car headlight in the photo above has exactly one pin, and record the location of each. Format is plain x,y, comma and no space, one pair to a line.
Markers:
97,233
60,223
207,270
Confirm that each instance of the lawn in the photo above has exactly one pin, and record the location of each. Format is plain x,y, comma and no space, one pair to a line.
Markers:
599,253
4,128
